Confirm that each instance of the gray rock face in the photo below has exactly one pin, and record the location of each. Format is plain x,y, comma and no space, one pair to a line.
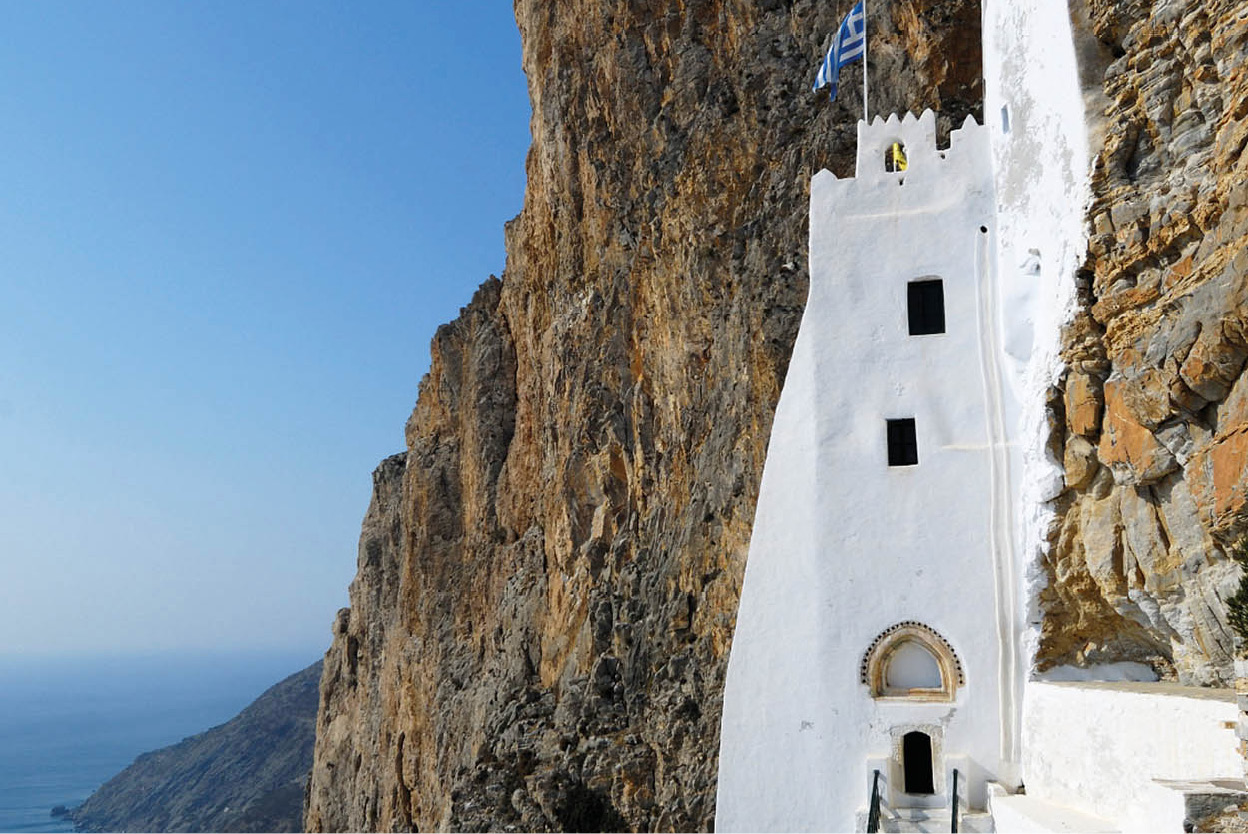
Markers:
246,775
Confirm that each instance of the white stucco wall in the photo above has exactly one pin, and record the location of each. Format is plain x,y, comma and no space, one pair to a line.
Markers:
1099,747
1041,168
845,546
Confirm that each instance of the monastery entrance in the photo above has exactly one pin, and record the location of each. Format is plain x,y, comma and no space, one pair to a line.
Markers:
916,763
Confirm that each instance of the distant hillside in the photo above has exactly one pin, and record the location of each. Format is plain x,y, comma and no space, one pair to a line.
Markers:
245,775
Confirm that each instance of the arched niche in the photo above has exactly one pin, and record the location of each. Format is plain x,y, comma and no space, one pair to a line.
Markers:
910,661
895,160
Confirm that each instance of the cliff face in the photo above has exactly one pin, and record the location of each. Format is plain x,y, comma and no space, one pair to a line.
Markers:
1152,416
549,576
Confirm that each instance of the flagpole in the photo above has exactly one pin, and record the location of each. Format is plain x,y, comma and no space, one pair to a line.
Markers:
864,62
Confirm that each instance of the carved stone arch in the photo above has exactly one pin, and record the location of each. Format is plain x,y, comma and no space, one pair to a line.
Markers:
905,636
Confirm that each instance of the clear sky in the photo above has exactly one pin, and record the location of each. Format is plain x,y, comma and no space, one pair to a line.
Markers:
228,231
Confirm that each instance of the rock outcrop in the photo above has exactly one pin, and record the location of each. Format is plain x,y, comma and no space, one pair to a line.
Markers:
1152,416
248,774
549,575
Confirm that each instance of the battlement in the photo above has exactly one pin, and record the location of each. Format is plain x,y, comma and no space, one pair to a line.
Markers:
902,151
917,138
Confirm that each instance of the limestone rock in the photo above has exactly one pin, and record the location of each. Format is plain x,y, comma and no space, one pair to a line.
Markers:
549,575
1168,261
1131,451
1079,461
1083,404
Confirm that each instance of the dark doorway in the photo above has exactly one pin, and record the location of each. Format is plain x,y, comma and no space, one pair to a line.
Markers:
916,760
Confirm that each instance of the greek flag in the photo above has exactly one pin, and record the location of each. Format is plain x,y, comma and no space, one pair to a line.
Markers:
849,45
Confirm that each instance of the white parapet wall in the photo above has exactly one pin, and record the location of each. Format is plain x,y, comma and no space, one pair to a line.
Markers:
1108,749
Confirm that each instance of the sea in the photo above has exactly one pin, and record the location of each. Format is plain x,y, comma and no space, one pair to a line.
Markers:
69,725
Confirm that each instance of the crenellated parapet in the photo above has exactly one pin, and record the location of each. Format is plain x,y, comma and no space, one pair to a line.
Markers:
900,168
924,162
917,135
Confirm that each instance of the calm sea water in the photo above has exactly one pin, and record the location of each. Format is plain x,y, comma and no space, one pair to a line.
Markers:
66,726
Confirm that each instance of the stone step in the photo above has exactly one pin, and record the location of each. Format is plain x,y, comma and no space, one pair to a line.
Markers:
926,821
932,821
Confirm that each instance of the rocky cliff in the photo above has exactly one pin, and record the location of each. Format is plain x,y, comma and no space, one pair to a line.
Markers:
1152,416
246,775
548,576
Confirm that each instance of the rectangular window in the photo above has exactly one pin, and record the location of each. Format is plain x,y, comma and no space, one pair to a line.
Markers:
925,301
903,445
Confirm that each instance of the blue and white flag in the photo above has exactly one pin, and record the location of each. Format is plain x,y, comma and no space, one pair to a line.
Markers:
849,45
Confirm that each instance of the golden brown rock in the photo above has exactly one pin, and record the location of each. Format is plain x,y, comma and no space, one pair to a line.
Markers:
1080,462
1083,404
1131,451
1167,265
549,576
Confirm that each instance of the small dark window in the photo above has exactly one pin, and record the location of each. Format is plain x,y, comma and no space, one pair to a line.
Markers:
925,301
916,761
903,446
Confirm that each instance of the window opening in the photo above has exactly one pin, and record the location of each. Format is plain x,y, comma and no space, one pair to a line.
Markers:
911,666
1005,118
925,304
895,158
903,444
916,762
894,665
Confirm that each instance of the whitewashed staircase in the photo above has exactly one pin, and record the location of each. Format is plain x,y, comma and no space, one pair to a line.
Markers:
928,820
932,820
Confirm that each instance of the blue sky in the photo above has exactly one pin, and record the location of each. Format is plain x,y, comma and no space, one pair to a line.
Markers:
228,231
